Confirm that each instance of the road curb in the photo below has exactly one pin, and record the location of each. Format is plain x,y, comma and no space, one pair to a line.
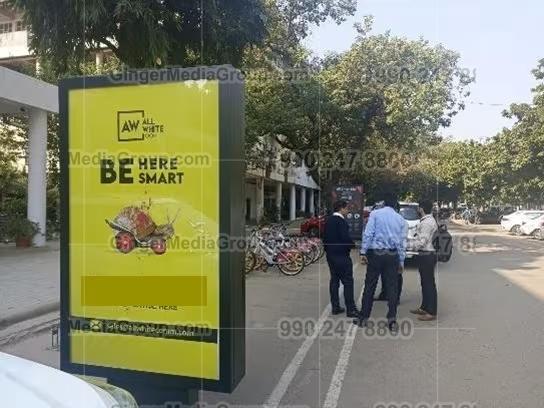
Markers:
29,314
29,328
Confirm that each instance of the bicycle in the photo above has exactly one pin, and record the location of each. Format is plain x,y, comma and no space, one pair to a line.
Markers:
269,247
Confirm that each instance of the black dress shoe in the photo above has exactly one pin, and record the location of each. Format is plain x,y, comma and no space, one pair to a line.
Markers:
338,311
393,326
359,321
352,313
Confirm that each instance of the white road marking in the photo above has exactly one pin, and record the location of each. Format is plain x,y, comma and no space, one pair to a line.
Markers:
289,374
335,388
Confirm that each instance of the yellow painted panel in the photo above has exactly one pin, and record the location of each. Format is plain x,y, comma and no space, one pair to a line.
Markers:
144,290
164,356
143,184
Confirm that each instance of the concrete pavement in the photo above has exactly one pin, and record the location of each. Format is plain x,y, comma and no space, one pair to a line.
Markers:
29,282
484,351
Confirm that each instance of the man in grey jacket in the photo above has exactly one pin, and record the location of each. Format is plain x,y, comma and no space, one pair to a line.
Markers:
424,245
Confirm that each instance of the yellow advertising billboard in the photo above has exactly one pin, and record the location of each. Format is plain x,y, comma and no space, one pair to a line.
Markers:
147,192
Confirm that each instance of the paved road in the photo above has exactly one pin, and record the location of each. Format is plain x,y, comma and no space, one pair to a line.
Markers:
485,350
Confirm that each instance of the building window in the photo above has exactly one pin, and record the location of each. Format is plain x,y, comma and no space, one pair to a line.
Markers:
6,28
19,26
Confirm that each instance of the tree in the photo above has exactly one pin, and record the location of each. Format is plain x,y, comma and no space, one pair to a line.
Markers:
386,94
12,181
290,22
12,143
284,94
457,169
511,165
395,90
143,33
516,155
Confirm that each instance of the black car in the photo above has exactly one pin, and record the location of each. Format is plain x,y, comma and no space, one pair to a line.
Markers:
492,215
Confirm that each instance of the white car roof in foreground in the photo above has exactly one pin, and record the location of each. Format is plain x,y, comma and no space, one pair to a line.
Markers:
27,384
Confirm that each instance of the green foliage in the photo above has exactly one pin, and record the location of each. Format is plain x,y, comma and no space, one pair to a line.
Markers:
395,91
12,180
15,205
387,94
19,227
143,33
384,93
53,211
283,91
12,142
290,21
507,168
412,184
457,167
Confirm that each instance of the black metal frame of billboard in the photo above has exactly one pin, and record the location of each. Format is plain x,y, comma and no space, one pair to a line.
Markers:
231,223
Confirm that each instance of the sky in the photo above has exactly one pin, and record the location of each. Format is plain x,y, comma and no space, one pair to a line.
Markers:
500,40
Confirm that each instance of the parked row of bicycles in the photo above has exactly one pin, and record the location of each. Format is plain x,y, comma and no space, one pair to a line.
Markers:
273,246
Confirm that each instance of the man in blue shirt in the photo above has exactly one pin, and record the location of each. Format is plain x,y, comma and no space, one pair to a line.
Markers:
383,250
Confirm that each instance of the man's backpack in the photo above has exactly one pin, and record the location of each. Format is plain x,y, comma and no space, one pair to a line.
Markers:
443,243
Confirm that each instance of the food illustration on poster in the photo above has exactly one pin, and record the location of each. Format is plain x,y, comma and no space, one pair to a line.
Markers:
135,228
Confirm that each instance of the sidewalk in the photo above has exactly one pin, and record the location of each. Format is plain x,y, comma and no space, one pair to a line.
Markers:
29,282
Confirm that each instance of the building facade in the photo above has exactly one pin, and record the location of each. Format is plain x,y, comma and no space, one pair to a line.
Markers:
14,38
281,187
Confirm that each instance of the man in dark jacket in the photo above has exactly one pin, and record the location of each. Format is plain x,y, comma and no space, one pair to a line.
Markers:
338,245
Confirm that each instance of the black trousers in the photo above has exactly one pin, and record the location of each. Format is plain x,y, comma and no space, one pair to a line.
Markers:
386,265
427,266
341,268
383,295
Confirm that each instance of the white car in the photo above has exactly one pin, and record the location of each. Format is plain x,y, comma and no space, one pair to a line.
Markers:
514,221
410,212
532,226
27,384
